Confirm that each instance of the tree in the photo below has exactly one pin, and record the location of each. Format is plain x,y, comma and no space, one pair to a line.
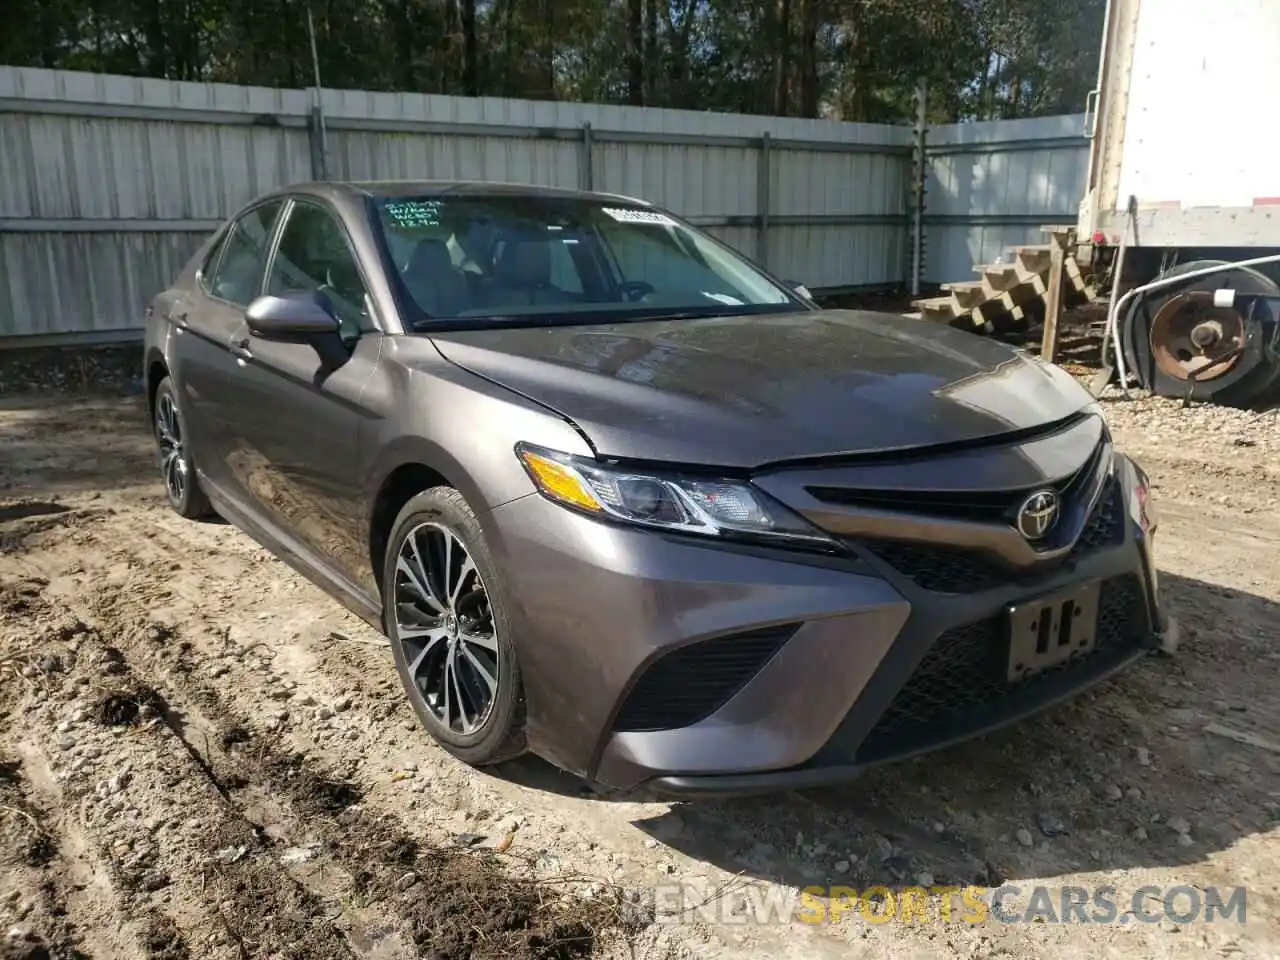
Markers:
851,59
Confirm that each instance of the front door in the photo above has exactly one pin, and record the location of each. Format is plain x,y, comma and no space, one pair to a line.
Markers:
297,409
205,319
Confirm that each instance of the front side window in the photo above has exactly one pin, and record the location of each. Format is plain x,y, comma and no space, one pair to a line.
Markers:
521,257
314,256
238,275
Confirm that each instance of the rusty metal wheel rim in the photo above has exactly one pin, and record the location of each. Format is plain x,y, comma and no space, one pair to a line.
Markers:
1187,335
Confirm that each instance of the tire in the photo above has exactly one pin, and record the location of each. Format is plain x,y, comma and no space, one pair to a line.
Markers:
177,468
497,727
1252,375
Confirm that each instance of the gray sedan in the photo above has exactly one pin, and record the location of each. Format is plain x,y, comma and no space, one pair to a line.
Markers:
619,497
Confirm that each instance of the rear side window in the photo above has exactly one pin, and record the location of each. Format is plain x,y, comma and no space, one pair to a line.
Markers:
238,275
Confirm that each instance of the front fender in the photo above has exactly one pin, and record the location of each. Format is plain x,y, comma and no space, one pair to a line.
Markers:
430,413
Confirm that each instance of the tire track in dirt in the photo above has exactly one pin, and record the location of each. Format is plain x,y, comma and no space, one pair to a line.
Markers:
176,851
366,865
34,894
58,885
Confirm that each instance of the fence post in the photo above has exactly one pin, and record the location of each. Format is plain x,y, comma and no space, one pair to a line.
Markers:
919,173
317,139
316,142
762,202
586,174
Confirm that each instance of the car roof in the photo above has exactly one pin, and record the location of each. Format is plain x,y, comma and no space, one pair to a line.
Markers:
349,189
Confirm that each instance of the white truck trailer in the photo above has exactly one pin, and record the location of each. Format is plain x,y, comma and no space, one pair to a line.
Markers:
1182,207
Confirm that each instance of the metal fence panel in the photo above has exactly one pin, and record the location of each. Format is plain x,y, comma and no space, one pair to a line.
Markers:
992,185
690,181
807,182
68,167
359,155
54,283
108,183
821,257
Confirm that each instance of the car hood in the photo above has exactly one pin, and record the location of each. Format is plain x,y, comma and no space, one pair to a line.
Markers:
749,390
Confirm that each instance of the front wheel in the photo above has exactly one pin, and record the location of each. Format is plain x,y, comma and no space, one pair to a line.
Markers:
446,617
177,469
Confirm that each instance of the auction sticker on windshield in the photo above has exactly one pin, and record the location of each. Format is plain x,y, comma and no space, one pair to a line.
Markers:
414,213
622,215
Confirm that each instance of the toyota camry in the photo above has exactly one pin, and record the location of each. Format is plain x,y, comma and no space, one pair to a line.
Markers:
619,497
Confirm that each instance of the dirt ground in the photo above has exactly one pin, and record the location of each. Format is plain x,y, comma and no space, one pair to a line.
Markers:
202,755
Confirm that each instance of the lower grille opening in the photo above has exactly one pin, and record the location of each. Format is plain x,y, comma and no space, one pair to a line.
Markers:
940,569
692,682
962,681
950,570
1106,524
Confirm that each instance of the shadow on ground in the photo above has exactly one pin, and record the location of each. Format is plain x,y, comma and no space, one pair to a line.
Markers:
1125,776
56,445
106,370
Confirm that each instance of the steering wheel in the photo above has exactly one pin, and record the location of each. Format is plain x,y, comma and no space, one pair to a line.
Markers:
633,290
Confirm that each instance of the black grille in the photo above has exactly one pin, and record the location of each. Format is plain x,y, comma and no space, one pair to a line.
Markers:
1106,524
977,506
940,569
948,570
963,677
980,506
692,682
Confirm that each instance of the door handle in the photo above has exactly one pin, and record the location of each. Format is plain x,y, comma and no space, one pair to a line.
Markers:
240,350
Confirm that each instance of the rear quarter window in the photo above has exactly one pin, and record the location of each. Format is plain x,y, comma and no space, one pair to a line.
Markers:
209,265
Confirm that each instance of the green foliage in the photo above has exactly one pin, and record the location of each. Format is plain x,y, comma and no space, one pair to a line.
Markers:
851,59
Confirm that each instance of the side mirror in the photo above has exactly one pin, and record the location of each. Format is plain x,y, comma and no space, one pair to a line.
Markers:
799,288
293,316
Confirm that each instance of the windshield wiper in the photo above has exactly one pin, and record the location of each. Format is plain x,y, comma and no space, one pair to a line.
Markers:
558,319
487,320
567,318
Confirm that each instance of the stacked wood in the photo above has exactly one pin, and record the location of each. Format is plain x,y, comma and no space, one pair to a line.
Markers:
1007,293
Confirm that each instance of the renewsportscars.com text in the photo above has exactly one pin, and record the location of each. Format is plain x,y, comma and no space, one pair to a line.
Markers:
1183,904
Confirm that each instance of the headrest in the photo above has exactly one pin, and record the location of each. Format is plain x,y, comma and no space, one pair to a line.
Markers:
524,262
343,275
430,257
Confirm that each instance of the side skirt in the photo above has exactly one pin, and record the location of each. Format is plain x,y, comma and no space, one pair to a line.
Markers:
296,555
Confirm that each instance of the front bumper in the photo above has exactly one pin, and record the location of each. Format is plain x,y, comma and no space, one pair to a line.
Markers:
844,651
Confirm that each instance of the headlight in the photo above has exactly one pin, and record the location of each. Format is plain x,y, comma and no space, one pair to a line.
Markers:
717,508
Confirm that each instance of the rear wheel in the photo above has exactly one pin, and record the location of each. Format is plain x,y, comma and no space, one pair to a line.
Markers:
446,616
177,469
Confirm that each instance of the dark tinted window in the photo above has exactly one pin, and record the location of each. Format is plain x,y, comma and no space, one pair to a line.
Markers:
239,272
314,256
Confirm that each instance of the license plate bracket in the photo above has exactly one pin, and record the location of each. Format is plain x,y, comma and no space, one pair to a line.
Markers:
1047,631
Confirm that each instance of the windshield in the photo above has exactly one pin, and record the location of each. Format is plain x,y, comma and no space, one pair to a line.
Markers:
554,259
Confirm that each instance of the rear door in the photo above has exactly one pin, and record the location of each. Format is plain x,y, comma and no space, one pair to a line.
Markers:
205,320
297,406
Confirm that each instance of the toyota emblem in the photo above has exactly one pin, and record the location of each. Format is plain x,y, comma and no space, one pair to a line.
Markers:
1038,514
